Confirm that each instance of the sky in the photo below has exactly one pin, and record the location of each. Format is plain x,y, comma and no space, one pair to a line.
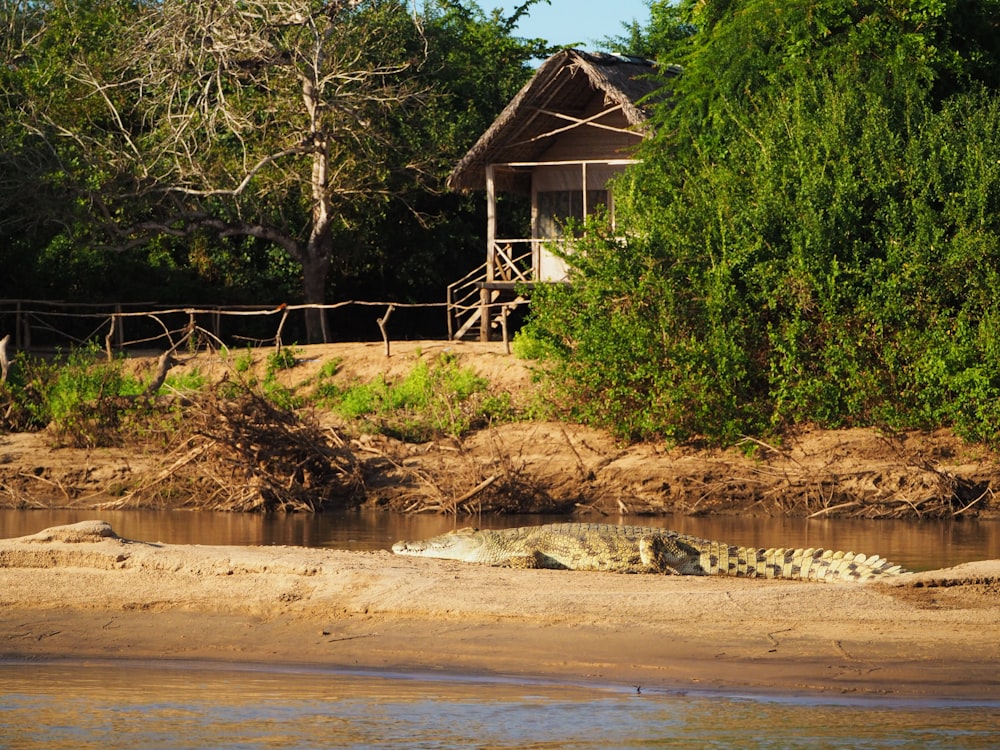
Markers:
575,22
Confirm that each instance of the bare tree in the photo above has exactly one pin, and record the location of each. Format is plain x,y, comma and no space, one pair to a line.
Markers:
271,119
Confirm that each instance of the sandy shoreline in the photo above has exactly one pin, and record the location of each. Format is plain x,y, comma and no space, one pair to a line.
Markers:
77,592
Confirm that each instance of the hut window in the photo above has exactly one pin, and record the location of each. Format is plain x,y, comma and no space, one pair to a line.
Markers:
556,207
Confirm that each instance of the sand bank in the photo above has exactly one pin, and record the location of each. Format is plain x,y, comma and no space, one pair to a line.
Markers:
80,591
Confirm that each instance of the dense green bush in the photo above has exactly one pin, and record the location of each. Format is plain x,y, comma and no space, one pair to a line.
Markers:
814,240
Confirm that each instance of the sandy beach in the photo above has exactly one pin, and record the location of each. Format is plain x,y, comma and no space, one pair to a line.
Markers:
80,591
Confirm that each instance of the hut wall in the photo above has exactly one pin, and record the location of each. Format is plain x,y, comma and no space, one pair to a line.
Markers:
557,190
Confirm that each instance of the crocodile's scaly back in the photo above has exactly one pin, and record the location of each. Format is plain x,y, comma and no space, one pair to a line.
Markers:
716,558
635,549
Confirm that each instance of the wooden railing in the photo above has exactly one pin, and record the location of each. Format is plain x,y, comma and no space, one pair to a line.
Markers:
470,298
514,260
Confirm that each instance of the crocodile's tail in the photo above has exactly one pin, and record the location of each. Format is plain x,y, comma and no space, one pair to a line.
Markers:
802,564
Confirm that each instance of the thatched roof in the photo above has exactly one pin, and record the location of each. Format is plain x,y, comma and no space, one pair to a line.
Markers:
566,83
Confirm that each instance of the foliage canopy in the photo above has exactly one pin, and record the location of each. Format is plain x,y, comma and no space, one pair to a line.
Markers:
812,236
262,151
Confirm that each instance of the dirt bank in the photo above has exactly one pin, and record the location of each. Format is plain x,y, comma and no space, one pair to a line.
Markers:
558,467
80,591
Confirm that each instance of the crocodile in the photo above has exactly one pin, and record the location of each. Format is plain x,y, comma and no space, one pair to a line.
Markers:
641,549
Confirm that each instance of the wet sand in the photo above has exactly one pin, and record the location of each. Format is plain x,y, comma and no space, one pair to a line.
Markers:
80,592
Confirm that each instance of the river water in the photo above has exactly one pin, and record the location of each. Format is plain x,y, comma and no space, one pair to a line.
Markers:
920,545
110,705
105,705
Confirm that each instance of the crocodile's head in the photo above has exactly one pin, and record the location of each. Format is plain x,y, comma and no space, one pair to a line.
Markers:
466,544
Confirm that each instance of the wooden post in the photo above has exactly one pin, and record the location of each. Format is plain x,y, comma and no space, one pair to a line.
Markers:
484,314
277,336
111,335
491,222
4,362
491,238
503,325
451,314
381,326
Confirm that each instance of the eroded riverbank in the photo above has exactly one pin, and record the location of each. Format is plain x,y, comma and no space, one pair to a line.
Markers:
540,466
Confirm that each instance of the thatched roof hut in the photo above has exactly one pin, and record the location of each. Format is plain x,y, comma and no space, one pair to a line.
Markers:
562,139
568,90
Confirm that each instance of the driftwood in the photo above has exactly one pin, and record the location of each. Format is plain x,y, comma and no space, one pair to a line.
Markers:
163,365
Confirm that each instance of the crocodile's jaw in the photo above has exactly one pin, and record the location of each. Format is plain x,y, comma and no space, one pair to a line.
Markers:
463,544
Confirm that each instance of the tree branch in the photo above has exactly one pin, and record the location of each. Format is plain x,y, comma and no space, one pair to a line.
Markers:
192,223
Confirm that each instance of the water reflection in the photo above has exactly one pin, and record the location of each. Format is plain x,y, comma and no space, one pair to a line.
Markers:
917,545
109,706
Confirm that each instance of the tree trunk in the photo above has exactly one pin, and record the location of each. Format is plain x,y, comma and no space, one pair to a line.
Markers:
314,271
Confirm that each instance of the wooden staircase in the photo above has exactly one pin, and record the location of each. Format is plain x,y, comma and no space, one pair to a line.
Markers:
475,294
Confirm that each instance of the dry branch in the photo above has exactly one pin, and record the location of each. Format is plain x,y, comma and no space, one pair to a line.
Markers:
247,454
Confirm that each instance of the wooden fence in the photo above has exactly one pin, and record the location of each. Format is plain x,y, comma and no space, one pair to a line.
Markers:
45,324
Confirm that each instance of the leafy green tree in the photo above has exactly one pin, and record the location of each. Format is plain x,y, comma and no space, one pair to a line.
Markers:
35,162
218,145
811,233
410,248
276,120
662,37
269,120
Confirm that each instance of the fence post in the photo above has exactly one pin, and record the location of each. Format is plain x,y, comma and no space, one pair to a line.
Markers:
111,335
449,308
277,336
381,325
18,332
4,362
192,324
119,327
504,310
484,314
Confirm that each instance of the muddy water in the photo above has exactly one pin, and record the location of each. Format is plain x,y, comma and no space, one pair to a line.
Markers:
917,545
110,705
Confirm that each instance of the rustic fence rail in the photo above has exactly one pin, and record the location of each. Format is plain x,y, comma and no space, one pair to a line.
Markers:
47,324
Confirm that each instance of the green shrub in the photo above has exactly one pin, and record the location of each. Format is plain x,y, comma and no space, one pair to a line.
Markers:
244,362
431,400
269,386
835,264
79,396
283,359
186,382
